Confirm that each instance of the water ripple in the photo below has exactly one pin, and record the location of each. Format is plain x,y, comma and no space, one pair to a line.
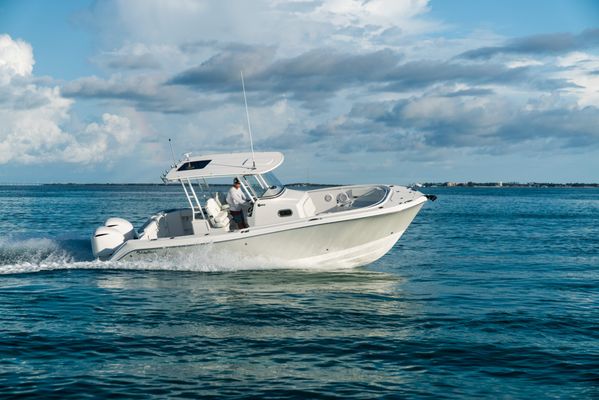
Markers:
492,293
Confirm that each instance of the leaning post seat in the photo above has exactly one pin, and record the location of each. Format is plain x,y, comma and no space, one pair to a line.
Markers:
223,206
217,217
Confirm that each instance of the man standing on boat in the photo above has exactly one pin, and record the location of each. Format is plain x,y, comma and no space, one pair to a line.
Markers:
235,199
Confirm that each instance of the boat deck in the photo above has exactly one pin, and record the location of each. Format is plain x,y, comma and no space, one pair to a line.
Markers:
360,197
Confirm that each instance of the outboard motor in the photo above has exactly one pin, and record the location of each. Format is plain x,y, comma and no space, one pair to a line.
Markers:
107,238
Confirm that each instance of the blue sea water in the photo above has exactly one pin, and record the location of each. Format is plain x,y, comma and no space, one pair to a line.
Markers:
491,293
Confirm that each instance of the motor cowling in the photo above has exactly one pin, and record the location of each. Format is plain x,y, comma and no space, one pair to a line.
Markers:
105,241
122,225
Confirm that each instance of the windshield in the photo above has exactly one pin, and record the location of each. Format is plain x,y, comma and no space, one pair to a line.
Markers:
256,186
274,185
266,185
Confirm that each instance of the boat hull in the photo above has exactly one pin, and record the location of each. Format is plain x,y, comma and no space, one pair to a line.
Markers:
339,244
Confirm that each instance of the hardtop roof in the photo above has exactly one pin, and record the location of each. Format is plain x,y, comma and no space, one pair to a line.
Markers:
223,165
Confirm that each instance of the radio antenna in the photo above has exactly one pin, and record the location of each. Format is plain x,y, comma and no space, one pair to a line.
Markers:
247,114
170,143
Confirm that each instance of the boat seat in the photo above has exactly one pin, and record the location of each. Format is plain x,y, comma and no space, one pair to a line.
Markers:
221,205
345,199
217,217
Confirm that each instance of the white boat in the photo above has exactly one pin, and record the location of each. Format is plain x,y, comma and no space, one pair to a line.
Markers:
343,226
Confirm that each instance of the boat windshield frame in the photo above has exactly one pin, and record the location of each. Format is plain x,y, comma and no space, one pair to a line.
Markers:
264,186
275,187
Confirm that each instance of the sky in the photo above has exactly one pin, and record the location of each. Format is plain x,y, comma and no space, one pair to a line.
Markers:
351,91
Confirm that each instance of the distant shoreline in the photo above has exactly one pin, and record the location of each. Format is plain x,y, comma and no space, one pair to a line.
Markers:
323,185
509,184
152,184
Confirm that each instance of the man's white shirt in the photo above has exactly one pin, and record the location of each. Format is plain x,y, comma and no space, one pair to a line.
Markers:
235,198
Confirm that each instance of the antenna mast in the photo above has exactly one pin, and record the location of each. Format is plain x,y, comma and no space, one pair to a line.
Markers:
247,113
172,152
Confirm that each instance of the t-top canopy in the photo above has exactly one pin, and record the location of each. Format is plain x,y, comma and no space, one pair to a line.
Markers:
222,165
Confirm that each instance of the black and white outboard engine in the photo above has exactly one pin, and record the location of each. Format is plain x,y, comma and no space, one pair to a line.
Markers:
107,238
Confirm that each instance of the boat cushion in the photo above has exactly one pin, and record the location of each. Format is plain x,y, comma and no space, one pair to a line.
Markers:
218,218
217,199
309,207
222,205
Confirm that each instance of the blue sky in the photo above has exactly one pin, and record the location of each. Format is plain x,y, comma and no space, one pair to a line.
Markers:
350,91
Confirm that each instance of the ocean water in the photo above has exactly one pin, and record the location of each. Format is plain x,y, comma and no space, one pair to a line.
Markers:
491,293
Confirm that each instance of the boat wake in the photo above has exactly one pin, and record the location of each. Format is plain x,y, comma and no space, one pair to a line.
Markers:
44,254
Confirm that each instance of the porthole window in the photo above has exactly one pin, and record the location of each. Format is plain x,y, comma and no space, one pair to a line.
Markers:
285,213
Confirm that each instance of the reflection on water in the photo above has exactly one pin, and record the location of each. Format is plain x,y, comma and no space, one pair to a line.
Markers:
158,326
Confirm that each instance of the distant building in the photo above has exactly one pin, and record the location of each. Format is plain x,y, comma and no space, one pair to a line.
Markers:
450,184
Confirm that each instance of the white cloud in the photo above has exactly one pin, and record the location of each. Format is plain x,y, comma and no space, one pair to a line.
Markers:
292,26
33,118
449,100
113,136
378,13
16,58
582,70
525,62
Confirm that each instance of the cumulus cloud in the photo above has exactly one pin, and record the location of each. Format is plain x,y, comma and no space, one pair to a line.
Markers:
353,75
136,87
16,59
374,14
33,117
144,92
489,124
294,26
322,72
113,134
220,71
580,69
312,77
